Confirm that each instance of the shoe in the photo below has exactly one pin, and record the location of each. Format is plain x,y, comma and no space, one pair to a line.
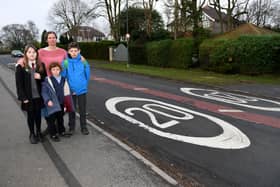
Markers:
55,138
33,139
85,131
65,135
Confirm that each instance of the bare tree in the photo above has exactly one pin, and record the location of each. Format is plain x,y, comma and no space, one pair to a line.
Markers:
148,6
16,36
113,9
261,12
71,14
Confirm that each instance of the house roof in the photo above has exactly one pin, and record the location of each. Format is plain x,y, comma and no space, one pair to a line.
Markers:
246,29
211,12
89,32
86,30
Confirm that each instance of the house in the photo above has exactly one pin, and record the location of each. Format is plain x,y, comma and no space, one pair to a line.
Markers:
211,21
88,34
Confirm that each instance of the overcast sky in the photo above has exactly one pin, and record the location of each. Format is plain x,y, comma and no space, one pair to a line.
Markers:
20,11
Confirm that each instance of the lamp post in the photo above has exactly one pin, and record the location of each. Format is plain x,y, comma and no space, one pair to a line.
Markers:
127,35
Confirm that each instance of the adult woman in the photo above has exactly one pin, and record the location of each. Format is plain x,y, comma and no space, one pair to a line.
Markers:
51,53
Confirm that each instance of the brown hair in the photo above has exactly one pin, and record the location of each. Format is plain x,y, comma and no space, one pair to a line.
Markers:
50,32
53,65
73,45
25,59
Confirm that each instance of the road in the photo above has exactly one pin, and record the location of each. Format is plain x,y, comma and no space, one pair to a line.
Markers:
191,131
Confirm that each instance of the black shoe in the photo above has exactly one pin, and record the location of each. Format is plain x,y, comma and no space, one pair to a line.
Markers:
55,138
65,135
85,131
33,139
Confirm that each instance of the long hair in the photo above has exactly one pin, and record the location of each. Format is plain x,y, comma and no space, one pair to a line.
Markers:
25,59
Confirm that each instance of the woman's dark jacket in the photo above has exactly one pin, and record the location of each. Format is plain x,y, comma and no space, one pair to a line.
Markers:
23,84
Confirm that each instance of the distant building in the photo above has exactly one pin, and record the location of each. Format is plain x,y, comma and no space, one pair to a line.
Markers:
210,20
88,34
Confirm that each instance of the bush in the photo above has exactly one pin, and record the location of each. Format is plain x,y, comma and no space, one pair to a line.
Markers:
158,53
247,55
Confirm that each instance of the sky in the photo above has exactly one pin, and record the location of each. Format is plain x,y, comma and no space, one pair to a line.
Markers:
21,11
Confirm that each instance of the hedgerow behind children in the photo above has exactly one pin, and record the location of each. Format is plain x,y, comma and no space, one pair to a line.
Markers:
29,78
77,72
53,91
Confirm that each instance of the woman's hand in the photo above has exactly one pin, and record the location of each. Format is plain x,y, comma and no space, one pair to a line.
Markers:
26,101
50,103
37,76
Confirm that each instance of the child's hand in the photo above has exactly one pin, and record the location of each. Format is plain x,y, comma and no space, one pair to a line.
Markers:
37,76
50,103
64,109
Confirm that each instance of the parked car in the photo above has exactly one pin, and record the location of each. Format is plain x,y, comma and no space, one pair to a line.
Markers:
16,53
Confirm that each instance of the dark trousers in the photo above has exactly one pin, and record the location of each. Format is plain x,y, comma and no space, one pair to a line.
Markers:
56,123
34,116
79,102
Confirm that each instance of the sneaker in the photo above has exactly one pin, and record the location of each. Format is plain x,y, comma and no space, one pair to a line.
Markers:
55,138
33,139
85,131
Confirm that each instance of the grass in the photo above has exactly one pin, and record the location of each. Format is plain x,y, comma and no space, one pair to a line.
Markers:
191,75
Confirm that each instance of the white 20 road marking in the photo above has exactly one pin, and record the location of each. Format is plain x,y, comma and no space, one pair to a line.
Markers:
234,99
230,138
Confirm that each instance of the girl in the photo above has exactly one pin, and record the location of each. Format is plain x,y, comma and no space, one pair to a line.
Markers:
29,78
53,90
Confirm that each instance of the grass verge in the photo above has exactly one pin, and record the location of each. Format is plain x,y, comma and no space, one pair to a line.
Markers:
190,75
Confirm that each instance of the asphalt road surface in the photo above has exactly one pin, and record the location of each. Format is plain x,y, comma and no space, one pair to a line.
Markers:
216,138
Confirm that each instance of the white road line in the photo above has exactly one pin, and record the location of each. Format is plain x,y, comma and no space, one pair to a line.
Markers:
229,110
140,89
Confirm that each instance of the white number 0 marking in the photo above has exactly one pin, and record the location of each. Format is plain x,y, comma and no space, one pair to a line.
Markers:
230,138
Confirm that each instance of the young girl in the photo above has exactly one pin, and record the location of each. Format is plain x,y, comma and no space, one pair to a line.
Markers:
29,78
53,92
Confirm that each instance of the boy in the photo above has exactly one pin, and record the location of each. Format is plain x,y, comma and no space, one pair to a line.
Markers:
77,72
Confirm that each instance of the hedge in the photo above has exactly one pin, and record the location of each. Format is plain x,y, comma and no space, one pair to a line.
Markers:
164,53
248,55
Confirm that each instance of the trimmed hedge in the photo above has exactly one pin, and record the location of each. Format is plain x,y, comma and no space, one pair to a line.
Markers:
137,54
165,53
246,55
94,50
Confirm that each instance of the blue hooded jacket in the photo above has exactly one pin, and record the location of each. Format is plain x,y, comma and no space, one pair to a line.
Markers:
77,73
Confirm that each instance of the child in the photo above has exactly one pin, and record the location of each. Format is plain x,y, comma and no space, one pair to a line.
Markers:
29,78
77,72
53,94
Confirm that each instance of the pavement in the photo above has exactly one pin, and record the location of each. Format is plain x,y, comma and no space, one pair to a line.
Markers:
95,160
